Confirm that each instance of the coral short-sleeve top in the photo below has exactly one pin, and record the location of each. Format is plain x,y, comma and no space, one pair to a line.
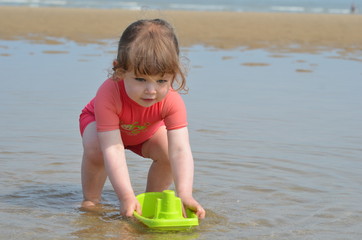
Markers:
113,110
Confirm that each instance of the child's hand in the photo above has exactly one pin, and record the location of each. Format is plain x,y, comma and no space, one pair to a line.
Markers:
191,203
129,206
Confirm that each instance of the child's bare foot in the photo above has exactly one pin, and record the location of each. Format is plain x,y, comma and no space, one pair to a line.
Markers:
88,204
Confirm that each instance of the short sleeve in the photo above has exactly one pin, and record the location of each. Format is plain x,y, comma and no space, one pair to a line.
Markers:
107,106
174,111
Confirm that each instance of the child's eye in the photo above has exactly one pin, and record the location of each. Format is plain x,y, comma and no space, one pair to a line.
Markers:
161,81
140,79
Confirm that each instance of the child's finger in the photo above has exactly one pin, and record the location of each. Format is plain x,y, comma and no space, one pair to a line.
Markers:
129,212
184,211
139,209
200,212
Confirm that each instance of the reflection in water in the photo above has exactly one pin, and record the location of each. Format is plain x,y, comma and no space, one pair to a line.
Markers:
104,222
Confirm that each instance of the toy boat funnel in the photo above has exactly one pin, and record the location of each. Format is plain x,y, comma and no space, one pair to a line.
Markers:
163,210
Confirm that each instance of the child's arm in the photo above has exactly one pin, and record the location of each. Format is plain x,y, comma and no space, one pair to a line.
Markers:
182,165
117,171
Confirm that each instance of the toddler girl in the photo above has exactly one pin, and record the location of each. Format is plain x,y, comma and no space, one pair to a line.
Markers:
139,109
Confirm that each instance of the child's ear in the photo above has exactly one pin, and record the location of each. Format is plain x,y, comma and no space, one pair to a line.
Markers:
117,71
115,63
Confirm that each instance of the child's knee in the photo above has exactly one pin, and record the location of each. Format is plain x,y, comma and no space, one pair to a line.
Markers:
93,154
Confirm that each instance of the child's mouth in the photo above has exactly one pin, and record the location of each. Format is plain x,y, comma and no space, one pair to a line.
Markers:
148,99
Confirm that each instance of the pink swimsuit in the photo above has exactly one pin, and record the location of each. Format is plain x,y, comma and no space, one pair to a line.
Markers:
112,109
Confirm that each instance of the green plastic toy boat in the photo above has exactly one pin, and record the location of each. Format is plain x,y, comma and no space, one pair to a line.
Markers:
163,211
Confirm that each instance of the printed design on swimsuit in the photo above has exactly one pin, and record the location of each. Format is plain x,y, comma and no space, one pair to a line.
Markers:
134,128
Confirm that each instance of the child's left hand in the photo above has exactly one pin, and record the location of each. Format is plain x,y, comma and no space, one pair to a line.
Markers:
192,204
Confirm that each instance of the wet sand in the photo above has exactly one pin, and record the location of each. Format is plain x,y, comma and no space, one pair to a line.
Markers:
296,32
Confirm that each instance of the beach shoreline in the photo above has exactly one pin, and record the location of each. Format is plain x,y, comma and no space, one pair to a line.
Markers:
296,32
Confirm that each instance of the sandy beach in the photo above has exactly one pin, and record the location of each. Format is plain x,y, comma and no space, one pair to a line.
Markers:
217,29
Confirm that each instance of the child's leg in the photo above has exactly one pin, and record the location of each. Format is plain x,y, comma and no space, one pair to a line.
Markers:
160,174
93,171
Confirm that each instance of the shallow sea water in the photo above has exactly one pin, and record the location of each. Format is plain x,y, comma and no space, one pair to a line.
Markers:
293,6
276,137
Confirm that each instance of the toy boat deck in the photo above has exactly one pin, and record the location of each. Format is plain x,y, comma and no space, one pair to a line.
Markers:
163,210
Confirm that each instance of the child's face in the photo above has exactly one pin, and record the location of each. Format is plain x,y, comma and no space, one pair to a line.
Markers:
147,90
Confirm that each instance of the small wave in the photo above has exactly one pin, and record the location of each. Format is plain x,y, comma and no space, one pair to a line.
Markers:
338,11
129,5
198,7
34,2
300,9
287,9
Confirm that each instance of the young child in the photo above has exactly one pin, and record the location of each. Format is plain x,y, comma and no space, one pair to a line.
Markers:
139,109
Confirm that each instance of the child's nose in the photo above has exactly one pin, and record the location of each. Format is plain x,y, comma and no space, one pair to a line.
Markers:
150,87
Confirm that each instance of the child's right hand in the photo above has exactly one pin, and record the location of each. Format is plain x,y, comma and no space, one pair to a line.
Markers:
129,206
